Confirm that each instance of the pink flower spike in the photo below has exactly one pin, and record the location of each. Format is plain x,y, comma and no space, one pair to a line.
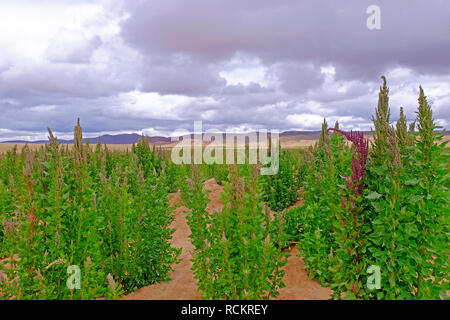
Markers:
342,201
359,160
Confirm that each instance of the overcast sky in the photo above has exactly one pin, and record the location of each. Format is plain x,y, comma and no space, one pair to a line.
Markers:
156,66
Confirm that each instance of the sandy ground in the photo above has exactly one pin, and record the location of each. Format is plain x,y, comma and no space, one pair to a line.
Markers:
183,285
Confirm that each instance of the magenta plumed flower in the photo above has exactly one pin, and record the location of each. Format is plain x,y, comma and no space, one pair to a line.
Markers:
359,159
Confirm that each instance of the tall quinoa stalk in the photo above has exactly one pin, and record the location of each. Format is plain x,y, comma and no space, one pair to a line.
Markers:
351,224
406,203
430,161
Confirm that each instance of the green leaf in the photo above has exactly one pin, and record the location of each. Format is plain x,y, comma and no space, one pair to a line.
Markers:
415,198
414,255
412,182
46,164
378,206
373,195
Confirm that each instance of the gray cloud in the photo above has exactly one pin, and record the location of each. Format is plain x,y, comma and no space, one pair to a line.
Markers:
329,31
181,75
161,64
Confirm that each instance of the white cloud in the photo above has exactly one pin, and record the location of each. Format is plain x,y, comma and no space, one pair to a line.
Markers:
305,120
246,75
71,47
32,25
152,105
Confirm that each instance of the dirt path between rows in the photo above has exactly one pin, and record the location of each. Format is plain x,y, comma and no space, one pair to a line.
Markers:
182,285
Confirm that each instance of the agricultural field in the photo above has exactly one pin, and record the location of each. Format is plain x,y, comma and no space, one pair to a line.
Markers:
343,218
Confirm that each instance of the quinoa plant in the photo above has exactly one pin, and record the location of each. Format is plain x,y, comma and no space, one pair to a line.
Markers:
392,224
82,209
316,231
217,171
429,180
280,190
406,173
234,256
292,227
350,225
199,220
405,139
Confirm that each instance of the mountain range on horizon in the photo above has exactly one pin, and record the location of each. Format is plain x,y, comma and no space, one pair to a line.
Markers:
130,138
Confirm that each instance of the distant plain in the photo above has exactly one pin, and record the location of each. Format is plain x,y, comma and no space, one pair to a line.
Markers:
287,142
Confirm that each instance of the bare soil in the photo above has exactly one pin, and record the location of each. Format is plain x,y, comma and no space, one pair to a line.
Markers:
183,285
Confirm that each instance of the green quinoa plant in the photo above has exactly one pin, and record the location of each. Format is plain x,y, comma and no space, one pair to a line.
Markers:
406,173
199,220
392,224
280,190
402,219
234,257
316,232
293,220
77,209
428,179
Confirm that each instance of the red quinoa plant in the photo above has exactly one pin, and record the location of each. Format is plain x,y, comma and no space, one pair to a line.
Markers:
351,224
